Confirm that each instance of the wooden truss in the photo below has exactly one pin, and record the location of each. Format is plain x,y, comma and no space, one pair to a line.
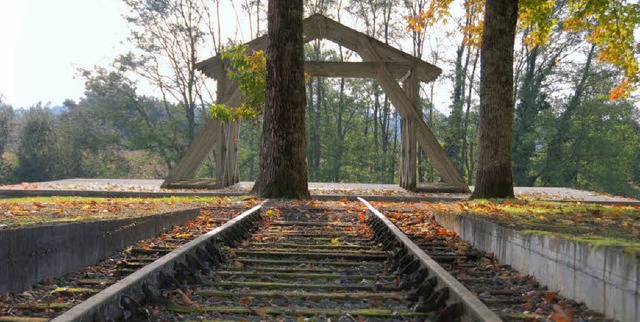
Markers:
380,61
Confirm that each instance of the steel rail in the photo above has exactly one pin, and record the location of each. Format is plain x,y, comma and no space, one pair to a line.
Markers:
121,299
460,301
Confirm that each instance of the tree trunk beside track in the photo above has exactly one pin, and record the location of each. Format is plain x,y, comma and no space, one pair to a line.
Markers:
283,167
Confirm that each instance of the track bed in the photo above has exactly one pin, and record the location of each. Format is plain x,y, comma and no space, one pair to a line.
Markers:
288,260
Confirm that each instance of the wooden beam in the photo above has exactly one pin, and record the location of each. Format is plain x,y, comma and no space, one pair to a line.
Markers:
320,27
353,69
230,164
407,109
220,154
203,143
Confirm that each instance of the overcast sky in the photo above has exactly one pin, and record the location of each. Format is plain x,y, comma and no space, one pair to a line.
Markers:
42,42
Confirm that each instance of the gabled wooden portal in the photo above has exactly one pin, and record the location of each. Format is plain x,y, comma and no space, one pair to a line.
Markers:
380,61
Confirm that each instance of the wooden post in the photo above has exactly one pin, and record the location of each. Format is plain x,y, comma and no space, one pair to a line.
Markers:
230,163
409,145
219,154
208,139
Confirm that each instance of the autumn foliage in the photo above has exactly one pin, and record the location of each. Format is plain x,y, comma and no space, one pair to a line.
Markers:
608,24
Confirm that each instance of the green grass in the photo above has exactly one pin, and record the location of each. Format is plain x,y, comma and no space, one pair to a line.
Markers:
628,246
23,200
595,224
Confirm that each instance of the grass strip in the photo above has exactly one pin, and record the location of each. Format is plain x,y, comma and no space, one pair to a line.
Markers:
276,285
262,311
302,295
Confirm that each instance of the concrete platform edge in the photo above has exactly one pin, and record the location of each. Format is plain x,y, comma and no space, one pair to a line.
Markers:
32,254
605,278
106,305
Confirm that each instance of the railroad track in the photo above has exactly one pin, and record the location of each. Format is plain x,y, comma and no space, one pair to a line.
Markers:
292,261
285,261
508,293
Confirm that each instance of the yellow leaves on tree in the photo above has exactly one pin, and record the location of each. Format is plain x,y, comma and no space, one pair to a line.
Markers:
610,26
474,22
437,11
249,70
536,16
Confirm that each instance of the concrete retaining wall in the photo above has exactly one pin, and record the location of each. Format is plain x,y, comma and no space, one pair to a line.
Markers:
32,254
604,278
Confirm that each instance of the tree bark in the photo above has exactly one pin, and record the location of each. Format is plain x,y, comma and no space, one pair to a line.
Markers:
494,175
283,167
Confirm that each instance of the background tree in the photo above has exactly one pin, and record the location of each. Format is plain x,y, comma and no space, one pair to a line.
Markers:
37,149
6,127
142,122
168,36
283,168
604,19
536,67
90,145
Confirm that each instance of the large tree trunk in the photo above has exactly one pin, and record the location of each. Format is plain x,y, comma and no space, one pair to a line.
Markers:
283,168
494,177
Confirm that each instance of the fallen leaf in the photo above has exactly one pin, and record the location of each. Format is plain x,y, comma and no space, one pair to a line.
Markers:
261,312
186,300
560,315
549,297
246,300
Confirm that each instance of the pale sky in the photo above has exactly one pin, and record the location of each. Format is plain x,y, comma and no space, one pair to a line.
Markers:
43,42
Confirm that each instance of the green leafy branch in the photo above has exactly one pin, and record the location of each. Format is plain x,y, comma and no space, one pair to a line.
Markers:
249,71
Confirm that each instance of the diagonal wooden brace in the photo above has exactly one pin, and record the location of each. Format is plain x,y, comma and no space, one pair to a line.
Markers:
426,139
211,135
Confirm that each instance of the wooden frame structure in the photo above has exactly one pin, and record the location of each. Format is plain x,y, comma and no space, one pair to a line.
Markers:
380,61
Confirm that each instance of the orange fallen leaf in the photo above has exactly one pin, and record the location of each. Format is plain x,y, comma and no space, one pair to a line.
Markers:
261,312
560,315
246,300
186,300
550,297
